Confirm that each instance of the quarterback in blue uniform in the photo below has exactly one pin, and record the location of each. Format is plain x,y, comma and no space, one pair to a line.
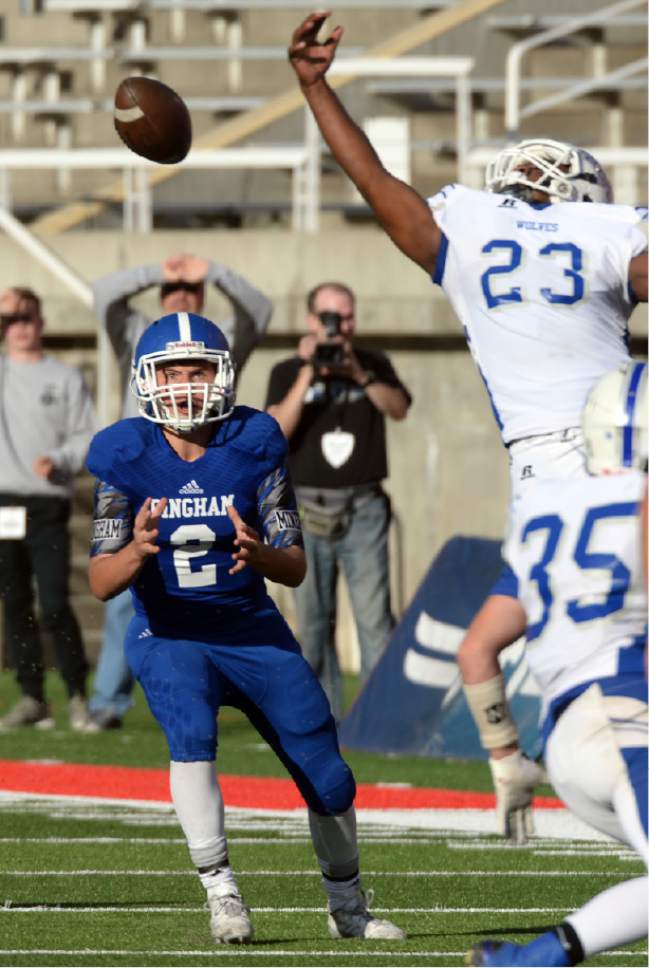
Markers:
194,508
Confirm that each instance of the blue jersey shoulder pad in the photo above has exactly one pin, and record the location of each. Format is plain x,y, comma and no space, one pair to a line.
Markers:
258,434
116,445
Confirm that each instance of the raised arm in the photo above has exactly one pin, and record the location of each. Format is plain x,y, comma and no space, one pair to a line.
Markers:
403,213
251,309
123,324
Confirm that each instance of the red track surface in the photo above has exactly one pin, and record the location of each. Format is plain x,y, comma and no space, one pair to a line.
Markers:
127,783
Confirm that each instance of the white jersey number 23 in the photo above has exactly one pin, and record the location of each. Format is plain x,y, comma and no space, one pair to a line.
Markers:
512,258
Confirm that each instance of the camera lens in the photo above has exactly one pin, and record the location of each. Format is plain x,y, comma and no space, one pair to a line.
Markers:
331,322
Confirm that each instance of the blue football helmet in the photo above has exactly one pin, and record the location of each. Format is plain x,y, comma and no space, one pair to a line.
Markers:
186,338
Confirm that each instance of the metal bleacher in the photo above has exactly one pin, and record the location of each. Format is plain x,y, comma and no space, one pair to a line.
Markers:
229,60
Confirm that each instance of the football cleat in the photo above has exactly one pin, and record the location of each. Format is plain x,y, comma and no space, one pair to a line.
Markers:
28,712
229,919
544,952
353,920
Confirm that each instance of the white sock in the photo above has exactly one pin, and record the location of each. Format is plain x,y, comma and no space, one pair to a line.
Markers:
614,917
219,882
198,802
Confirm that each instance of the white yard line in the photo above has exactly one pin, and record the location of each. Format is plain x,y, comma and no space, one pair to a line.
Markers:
558,823
180,909
311,873
250,951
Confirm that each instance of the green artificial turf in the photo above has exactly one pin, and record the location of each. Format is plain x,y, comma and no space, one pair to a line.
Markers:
141,743
93,884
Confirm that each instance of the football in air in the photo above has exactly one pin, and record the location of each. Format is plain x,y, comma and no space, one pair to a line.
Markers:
152,120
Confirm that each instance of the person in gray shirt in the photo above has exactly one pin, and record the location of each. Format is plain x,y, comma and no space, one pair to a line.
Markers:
182,279
46,423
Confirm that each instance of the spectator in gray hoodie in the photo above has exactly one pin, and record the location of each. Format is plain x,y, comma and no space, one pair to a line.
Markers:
46,423
182,279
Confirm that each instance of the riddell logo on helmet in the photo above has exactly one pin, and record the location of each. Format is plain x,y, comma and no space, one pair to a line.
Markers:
191,344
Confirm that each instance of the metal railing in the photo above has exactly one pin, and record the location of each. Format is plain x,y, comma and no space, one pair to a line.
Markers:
457,68
228,6
36,249
137,198
513,111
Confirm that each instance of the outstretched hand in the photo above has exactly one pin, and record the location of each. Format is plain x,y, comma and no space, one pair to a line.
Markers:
514,778
145,528
309,57
247,541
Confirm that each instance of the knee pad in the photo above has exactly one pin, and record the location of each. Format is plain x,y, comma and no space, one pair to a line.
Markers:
334,788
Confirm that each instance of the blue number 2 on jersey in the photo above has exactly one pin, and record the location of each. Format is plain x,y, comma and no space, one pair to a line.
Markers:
585,559
514,249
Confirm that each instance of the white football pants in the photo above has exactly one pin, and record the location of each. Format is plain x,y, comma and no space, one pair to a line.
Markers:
588,770
546,457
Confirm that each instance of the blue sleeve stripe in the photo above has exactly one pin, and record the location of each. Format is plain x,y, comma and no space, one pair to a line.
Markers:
440,262
635,759
506,583
627,433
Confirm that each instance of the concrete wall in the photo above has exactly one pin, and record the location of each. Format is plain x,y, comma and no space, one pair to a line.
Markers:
448,469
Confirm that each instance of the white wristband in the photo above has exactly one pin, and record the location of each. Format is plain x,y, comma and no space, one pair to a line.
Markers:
488,704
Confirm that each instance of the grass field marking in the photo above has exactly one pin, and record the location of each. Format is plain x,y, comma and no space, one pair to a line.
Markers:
118,872
100,840
625,855
536,843
250,951
280,839
9,908
245,951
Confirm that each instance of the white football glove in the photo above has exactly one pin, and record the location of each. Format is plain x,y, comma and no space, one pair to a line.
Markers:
514,778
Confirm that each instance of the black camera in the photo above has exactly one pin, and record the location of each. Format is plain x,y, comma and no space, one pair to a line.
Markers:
329,354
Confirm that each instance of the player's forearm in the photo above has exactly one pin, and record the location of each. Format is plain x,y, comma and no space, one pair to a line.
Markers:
285,566
288,411
404,215
108,575
499,622
348,143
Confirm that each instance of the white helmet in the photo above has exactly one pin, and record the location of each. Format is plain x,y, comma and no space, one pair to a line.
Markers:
614,420
568,174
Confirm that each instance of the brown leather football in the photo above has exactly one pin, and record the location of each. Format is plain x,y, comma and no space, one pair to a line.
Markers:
152,120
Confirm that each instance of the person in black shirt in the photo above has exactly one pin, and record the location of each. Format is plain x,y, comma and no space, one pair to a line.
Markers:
331,400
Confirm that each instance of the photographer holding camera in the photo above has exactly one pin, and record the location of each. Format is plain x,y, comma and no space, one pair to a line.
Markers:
331,400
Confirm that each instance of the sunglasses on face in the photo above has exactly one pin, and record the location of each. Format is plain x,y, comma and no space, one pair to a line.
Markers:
168,287
7,320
